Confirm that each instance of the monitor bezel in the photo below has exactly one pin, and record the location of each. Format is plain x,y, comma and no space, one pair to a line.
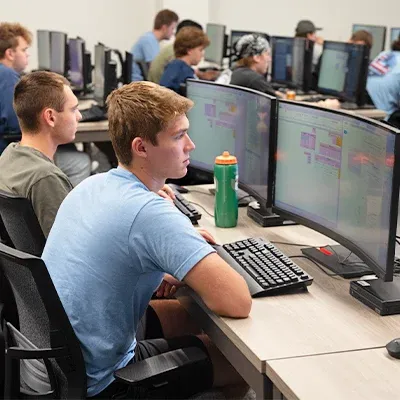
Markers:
362,76
387,273
219,62
393,28
271,145
374,26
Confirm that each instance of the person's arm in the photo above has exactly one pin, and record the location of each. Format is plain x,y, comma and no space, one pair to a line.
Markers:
221,288
46,196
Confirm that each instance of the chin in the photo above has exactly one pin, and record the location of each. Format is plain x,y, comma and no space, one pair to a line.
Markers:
178,175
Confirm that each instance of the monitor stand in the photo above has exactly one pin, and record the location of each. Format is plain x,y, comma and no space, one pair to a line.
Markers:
382,297
331,259
265,217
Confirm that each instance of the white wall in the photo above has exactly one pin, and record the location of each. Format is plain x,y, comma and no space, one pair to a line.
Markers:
116,23
281,17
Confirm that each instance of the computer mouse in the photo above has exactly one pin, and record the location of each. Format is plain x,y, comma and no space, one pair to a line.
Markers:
177,188
393,348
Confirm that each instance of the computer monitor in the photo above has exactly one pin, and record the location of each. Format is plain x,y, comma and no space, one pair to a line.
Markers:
344,70
378,37
127,68
216,51
76,74
339,175
235,36
394,35
43,40
58,53
239,120
292,62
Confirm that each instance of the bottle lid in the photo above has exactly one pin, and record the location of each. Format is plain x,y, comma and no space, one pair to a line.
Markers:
226,159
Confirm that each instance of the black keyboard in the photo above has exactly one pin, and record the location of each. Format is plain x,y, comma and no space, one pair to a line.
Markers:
186,208
93,114
265,268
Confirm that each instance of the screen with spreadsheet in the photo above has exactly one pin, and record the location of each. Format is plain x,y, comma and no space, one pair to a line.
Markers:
237,120
378,37
335,172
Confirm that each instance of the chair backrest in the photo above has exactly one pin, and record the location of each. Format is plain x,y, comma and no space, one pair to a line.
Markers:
21,223
144,69
43,324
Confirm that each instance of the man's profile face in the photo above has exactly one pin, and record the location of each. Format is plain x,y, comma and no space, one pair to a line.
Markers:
20,55
169,30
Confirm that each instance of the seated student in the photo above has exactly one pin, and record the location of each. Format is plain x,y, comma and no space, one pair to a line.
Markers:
114,241
254,57
148,45
14,43
48,115
383,83
189,48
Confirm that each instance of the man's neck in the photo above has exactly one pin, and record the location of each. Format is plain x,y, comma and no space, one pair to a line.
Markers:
186,59
158,34
40,142
152,183
6,63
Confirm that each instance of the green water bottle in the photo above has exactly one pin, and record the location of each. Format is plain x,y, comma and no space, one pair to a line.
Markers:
226,181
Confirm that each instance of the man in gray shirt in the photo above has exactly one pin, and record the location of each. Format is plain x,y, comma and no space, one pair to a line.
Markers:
48,115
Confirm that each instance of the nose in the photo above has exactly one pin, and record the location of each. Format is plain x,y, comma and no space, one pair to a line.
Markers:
78,115
190,146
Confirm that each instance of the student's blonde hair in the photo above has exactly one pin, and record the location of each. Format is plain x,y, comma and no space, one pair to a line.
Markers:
141,109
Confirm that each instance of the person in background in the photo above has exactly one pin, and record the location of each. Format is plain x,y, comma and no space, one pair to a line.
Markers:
15,41
383,83
105,260
254,56
306,29
362,37
189,48
148,45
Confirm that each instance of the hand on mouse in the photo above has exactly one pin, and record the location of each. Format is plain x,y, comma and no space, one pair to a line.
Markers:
206,235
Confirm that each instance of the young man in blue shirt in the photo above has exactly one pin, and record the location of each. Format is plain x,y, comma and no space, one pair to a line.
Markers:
148,45
115,242
189,48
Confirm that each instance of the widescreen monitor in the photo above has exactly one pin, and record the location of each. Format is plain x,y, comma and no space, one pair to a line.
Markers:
215,52
378,37
343,72
58,53
99,72
339,174
238,120
43,40
394,35
292,62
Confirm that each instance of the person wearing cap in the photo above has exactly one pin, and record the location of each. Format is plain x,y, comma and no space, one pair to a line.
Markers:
253,52
306,29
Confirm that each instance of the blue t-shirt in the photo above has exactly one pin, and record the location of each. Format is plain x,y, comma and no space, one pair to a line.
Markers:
175,73
107,252
383,84
8,119
145,49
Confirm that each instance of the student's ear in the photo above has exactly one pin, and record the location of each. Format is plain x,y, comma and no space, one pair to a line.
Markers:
139,147
49,117
9,54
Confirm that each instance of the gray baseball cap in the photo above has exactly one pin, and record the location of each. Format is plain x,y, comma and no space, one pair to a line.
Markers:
306,26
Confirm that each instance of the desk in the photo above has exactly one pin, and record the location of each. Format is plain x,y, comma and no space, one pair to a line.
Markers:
359,375
373,113
325,320
92,132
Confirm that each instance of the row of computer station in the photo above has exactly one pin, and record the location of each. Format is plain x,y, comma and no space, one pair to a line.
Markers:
332,171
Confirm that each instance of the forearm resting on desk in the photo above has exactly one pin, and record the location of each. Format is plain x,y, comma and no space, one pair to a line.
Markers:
221,288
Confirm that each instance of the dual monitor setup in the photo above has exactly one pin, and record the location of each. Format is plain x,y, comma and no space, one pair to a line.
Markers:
70,58
332,171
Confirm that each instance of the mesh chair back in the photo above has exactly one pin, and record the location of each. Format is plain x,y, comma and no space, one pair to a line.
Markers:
21,223
43,325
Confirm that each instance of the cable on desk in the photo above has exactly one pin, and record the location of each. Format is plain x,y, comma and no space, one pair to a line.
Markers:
199,205
244,197
397,240
317,264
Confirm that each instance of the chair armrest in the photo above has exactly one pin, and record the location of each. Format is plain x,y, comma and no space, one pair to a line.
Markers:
36,354
159,367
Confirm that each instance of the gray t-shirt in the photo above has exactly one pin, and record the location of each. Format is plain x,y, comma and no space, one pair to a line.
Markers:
28,173
246,77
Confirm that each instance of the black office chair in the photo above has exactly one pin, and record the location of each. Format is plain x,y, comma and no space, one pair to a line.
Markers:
45,349
144,69
21,223
394,119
